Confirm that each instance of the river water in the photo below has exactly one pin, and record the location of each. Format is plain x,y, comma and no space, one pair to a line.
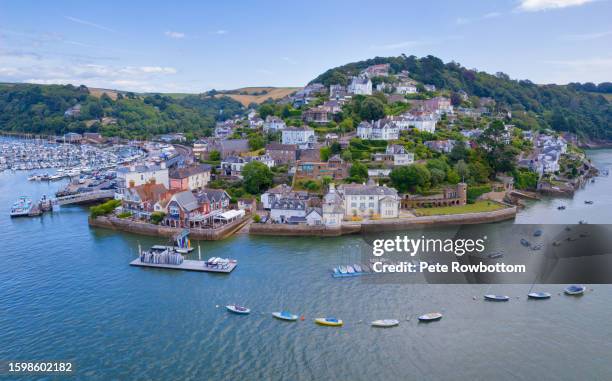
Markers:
67,293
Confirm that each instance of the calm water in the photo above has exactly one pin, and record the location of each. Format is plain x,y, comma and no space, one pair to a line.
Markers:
67,292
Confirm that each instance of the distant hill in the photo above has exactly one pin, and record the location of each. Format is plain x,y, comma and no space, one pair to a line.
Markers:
57,109
248,95
562,107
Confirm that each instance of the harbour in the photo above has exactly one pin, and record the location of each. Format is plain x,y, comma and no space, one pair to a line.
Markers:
90,293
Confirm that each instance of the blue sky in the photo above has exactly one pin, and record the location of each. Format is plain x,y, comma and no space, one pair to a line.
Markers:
197,46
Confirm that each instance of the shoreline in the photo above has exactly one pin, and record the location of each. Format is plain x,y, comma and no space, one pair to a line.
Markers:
152,230
383,225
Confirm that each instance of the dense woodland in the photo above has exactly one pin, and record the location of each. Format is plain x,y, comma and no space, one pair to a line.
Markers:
40,109
575,107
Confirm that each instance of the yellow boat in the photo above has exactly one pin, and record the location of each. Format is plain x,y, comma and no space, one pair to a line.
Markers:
329,322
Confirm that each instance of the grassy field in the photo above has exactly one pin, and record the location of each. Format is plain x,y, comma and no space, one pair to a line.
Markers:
479,206
250,97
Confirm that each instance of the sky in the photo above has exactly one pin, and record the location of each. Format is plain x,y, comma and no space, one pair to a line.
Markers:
195,46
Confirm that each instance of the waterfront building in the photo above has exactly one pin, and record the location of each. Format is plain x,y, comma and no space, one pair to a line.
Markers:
218,199
450,196
303,137
332,207
73,137
141,200
183,207
284,209
190,178
274,194
370,200
135,175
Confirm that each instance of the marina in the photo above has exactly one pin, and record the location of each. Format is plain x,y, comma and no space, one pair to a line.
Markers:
188,265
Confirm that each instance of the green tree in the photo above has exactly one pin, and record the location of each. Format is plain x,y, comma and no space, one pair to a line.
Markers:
257,177
214,155
462,169
325,153
358,172
415,177
256,142
371,109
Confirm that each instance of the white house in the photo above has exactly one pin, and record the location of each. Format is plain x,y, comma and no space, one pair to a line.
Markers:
284,209
314,217
273,123
360,86
273,194
370,200
332,208
382,129
303,137
405,88
135,175
400,155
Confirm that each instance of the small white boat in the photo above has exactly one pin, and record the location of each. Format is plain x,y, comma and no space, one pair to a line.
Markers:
238,309
432,316
284,315
385,323
497,298
350,269
357,268
574,290
539,295
342,269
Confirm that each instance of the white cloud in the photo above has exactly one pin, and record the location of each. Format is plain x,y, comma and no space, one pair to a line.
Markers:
487,16
89,23
221,31
61,70
173,34
586,36
541,5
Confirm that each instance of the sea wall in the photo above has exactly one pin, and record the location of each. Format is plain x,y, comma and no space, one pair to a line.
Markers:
384,225
143,228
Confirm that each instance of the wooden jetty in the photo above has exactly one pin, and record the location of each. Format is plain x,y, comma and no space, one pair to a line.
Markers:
188,265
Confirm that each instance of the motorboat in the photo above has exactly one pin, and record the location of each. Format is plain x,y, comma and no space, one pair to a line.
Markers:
432,316
238,309
588,202
497,298
561,207
574,290
539,295
284,315
329,322
385,323
537,233
524,242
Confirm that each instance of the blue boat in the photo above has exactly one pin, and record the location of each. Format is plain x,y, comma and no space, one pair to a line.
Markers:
497,298
524,242
284,315
539,295
537,233
574,290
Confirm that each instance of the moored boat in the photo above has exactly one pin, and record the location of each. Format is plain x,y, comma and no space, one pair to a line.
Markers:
497,298
539,295
385,323
574,290
284,315
357,268
432,316
329,322
238,309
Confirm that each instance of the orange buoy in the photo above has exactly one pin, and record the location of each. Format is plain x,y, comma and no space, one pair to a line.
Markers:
302,318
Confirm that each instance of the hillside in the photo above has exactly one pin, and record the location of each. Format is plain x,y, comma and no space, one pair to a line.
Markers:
561,107
248,95
52,109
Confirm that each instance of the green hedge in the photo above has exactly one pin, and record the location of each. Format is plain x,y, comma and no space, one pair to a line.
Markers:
103,209
473,192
